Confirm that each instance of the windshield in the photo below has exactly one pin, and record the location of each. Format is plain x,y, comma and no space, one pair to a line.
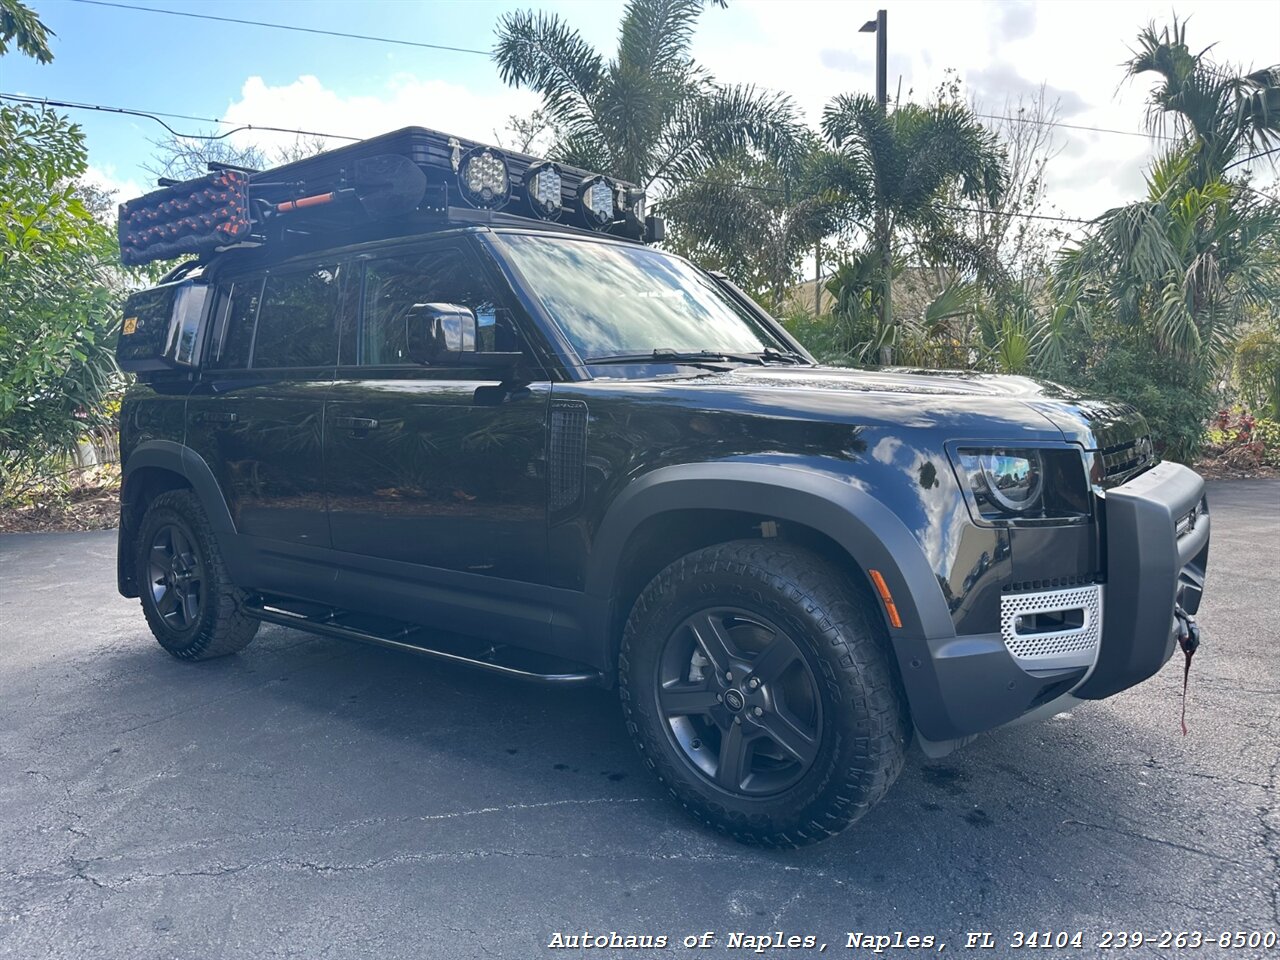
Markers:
613,300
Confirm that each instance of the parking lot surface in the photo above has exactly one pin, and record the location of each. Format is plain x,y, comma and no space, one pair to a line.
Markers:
314,798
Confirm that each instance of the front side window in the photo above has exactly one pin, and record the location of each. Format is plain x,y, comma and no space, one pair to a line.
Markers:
394,287
299,318
616,300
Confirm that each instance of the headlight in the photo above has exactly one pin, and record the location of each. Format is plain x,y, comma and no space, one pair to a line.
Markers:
596,198
542,188
1007,485
482,175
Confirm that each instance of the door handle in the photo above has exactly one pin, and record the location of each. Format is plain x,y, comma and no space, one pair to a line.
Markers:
212,417
355,423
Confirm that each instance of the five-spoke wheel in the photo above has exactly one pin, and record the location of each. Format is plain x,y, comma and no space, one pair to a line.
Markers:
176,576
756,681
740,700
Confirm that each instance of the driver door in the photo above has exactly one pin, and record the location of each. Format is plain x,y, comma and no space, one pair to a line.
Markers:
434,474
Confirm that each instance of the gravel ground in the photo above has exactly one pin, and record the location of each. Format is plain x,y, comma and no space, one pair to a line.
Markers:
311,798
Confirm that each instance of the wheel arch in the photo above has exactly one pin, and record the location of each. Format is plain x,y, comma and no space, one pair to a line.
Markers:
151,468
832,513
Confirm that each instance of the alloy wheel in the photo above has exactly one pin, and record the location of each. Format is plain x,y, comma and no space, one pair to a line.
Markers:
740,701
176,574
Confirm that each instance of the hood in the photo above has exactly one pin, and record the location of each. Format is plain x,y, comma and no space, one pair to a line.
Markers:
905,380
1111,426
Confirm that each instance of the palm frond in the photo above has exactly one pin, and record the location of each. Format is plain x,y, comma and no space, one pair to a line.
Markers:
656,34
541,52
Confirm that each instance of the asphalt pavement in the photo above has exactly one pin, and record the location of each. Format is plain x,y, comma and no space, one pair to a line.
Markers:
313,798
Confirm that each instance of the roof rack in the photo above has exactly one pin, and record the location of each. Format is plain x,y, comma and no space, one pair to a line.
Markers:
392,177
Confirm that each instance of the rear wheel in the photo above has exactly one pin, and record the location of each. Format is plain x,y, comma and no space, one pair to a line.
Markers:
190,604
756,682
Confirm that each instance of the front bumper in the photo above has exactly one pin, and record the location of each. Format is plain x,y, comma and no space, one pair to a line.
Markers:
1157,537
1156,532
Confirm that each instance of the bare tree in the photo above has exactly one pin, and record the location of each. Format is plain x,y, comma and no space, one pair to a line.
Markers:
524,134
182,158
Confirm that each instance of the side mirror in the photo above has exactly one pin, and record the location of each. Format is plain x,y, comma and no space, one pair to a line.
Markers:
437,333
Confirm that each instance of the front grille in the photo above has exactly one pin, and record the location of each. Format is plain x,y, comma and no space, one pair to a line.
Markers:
1124,460
1039,647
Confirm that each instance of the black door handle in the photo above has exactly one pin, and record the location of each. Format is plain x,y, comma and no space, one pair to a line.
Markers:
212,417
355,423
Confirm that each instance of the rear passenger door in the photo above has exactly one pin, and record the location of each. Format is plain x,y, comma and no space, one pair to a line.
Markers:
256,415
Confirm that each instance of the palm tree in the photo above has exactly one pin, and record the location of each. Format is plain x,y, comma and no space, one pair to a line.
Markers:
1186,263
755,218
898,166
1189,260
650,115
1222,114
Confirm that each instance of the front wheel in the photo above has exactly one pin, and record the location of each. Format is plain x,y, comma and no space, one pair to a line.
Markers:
757,685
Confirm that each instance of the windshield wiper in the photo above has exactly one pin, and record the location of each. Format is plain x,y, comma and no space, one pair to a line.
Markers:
667,355
782,356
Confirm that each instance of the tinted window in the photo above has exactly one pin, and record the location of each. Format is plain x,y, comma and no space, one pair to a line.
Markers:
233,332
298,320
393,287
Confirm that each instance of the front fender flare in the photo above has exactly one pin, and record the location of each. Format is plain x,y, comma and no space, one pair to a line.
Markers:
831,503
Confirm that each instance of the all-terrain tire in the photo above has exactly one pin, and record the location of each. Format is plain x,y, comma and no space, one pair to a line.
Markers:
861,723
214,625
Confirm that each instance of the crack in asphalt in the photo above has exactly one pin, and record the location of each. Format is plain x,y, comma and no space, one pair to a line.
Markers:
1136,835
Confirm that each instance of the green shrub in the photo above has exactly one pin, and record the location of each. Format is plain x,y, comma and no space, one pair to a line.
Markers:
1267,432
60,287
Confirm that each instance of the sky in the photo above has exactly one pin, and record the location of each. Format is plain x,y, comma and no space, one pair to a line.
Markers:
809,49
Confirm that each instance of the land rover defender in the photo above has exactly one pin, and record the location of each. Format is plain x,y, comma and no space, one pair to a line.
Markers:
423,393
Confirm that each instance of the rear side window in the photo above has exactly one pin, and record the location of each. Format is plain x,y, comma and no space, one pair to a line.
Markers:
233,330
395,286
299,317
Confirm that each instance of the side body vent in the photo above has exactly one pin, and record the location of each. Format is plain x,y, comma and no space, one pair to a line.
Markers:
567,450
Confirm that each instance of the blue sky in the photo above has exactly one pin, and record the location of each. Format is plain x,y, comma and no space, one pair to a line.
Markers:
810,49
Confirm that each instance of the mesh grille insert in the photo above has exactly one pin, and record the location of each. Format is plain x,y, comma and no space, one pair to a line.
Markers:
568,449
1070,646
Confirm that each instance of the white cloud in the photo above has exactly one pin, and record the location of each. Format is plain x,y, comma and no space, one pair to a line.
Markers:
307,104
106,178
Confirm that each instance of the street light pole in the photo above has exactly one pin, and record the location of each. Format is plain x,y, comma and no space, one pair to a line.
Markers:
880,27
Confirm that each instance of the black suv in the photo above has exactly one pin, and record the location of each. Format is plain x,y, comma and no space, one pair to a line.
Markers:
527,441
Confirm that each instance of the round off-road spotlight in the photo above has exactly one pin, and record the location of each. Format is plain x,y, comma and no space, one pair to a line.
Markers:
542,185
484,179
595,196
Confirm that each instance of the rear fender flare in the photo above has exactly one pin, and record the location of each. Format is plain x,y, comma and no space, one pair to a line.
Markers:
186,463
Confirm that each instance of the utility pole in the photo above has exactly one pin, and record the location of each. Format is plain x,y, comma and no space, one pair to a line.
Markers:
880,27
817,278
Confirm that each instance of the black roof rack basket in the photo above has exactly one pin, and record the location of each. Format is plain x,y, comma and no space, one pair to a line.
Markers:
409,172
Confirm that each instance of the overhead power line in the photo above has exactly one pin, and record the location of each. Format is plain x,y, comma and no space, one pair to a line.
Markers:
157,115
1074,126
296,28
285,26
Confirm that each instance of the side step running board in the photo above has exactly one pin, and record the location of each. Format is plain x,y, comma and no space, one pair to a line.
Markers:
510,662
